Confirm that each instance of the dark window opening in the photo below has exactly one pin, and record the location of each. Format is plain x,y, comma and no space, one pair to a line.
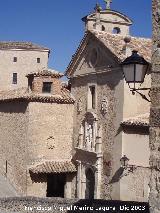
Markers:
15,59
92,98
38,60
14,78
103,28
116,30
47,86
55,185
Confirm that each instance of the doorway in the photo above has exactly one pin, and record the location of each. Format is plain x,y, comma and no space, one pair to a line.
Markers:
55,185
90,184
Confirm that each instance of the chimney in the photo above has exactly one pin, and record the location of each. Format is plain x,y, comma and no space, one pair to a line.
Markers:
126,49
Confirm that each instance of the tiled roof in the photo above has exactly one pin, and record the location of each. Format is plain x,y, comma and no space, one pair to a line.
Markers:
140,120
54,167
46,72
21,45
116,44
24,94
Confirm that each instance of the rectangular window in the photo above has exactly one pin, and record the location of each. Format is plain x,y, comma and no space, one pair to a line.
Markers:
38,60
15,59
14,78
91,97
47,86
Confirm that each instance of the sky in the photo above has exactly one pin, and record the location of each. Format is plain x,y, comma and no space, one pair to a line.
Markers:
57,24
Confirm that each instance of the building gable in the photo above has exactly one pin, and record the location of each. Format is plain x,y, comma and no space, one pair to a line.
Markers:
110,49
91,57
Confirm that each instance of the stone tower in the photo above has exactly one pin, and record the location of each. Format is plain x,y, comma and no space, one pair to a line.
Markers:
107,20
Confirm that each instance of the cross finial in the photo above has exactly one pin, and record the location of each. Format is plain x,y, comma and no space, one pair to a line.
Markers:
108,4
98,8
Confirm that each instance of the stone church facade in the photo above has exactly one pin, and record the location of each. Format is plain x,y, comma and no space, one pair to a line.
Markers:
109,121
61,143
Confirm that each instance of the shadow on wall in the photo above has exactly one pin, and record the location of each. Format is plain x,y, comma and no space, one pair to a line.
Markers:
38,178
117,176
110,79
13,107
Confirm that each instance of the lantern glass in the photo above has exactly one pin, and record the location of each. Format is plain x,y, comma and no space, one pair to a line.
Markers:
129,71
140,72
134,68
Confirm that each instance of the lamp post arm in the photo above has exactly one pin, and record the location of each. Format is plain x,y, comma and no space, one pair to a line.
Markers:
142,95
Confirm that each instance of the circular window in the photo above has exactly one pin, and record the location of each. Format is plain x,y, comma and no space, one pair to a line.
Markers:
94,57
116,30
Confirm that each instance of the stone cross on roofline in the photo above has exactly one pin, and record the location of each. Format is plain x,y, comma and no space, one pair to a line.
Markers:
108,4
97,8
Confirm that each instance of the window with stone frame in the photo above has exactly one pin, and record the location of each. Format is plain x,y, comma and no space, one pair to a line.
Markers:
47,87
14,59
92,97
14,78
38,60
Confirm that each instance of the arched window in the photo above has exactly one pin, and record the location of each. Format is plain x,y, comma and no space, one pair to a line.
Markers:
103,28
116,30
90,184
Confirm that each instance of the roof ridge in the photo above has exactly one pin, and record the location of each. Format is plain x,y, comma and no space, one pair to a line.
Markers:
117,35
21,45
46,71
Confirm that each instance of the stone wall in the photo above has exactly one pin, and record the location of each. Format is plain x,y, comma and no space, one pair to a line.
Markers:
134,104
30,134
134,185
13,143
155,112
50,134
26,63
37,84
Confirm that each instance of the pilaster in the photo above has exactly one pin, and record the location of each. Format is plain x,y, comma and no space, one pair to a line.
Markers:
154,198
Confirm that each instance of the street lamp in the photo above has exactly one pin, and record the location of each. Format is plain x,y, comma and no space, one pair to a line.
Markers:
134,69
124,164
124,161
